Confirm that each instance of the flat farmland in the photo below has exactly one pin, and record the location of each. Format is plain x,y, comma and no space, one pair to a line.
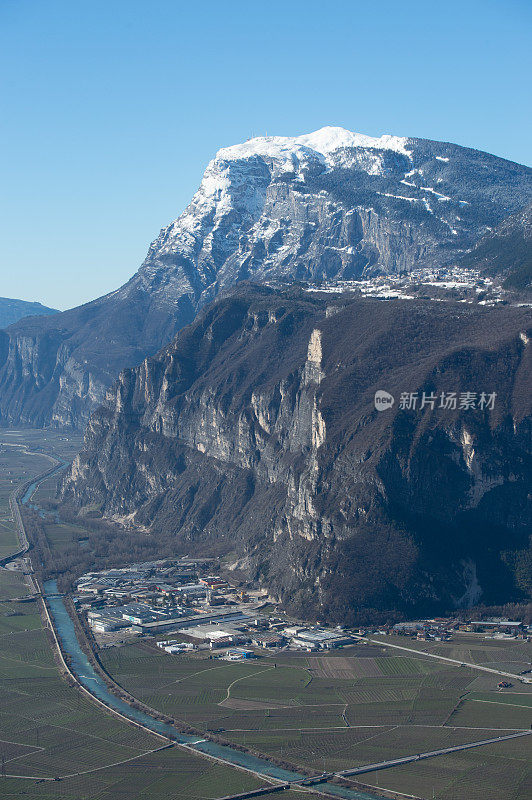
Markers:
357,746
63,535
24,454
344,667
16,466
50,730
171,774
11,586
482,713
500,771
334,711
472,648
46,491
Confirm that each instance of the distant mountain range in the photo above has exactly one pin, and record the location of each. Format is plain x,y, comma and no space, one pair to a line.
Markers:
329,205
12,310
255,435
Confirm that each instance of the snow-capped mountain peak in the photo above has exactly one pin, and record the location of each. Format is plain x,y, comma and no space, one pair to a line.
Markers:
240,179
328,204
331,208
329,139
320,144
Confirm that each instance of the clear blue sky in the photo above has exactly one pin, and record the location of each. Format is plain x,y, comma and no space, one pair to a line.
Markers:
110,109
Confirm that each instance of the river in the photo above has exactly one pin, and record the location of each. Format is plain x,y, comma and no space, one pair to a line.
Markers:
91,680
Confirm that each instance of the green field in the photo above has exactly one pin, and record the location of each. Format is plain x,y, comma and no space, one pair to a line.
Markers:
15,467
62,535
510,655
24,454
499,771
48,729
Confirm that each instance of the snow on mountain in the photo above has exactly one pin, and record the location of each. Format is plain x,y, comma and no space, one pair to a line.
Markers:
321,144
331,203
232,181
327,206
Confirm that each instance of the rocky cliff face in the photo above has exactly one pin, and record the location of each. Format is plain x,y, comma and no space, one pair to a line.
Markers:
255,434
56,370
332,204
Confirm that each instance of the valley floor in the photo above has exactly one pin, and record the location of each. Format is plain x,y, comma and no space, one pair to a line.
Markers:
48,729
320,712
358,706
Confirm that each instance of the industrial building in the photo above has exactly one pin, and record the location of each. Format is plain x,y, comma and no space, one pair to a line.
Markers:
317,639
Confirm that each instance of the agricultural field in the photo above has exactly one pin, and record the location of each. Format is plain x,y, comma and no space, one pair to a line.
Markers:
24,454
61,536
510,655
16,466
349,708
56,443
316,711
493,772
49,730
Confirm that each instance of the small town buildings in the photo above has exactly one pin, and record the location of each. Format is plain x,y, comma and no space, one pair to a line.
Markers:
293,630
213,582
173,646
106,621
408,627
239,654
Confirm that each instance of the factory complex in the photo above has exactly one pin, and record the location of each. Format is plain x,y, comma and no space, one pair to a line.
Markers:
182,597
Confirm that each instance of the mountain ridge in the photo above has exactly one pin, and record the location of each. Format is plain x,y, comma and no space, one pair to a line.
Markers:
372,209
254,433
12,309
507,251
